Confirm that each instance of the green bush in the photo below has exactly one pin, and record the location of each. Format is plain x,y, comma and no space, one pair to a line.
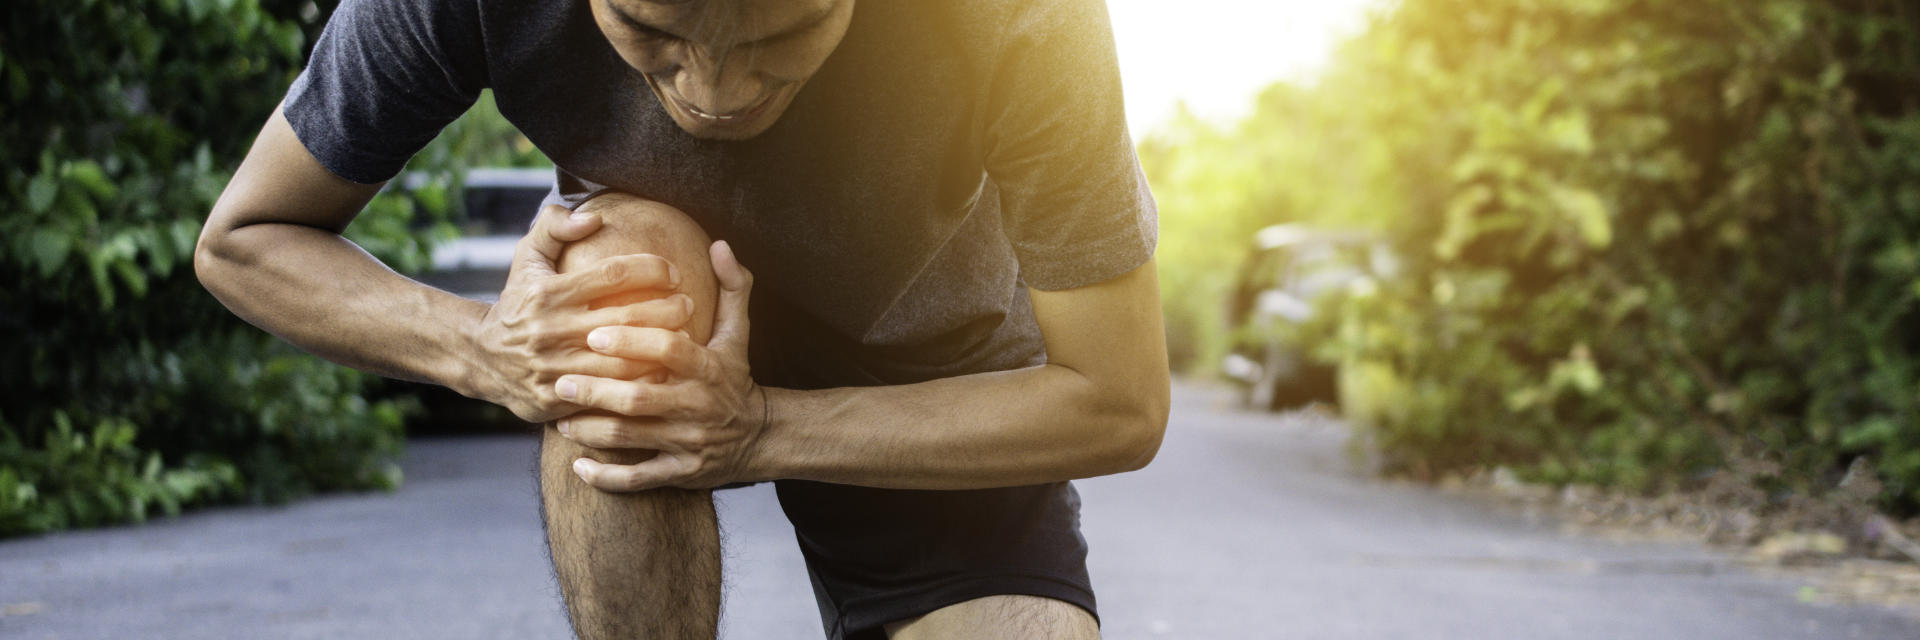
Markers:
1642,240
127,387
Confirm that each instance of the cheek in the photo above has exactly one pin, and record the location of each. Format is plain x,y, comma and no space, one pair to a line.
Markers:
790,63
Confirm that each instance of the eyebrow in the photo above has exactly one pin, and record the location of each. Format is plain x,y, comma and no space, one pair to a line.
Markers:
808,22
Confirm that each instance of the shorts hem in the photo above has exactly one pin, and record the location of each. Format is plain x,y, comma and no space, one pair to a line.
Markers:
866,617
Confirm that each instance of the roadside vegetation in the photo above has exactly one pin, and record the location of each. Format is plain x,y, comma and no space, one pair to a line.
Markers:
128,390
1647,245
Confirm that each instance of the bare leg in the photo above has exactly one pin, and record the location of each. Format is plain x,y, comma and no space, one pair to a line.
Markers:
1001,617
647,564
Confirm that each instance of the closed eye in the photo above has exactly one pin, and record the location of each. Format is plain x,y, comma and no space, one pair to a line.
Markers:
639,28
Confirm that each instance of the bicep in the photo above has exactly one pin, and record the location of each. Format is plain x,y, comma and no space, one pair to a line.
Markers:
1110,332
281,182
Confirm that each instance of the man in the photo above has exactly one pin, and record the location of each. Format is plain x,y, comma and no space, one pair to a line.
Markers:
954,313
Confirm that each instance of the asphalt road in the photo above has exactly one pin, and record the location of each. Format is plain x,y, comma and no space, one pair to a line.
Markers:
1246,526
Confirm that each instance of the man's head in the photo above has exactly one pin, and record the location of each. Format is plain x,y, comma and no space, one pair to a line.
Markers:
724,69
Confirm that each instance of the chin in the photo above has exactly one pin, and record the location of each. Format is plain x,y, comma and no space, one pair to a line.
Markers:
724,131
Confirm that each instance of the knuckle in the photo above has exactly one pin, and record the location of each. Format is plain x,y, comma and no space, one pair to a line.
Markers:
699,467
678,348
616,271
603,438
622,480
645,344
635,400
629,369
615,436
540,293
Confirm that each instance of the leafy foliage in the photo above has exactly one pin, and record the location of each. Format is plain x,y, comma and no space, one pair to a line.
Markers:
1641,239
128,388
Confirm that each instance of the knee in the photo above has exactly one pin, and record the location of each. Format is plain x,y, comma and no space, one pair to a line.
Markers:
631,224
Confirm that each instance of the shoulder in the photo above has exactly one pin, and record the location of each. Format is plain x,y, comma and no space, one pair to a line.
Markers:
474,29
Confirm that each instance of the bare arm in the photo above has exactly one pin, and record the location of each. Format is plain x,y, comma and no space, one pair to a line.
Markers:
1098,406
272,252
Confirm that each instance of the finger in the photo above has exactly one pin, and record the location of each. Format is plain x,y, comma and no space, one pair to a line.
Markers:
659,471
625,397
588,363
616,274
608,431
552,230
671,312
674,350
730,311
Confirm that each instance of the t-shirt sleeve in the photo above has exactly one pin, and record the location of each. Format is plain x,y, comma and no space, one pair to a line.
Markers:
1073,200
385,76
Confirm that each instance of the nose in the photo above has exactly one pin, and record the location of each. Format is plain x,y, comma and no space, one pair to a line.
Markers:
719,85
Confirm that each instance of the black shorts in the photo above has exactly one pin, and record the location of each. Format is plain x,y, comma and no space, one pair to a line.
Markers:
882,555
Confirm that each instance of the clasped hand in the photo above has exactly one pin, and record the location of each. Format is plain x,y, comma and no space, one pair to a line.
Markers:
627,377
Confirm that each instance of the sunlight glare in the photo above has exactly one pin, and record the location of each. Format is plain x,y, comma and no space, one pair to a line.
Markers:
1216,55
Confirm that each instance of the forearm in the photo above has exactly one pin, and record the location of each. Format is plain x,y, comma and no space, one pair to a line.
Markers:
1028,426
322,293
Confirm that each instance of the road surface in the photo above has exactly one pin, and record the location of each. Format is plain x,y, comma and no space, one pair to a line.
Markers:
1247,526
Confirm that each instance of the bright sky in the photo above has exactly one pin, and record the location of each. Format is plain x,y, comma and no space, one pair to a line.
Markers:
1216,55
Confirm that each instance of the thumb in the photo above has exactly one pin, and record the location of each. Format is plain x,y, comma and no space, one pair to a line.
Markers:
730,311
552,230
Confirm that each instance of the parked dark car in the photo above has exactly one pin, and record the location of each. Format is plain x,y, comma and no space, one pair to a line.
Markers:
497,207
1287,272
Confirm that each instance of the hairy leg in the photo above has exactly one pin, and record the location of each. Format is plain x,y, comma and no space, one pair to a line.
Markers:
647,564
1001,617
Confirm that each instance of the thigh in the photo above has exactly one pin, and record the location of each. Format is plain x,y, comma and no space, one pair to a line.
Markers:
1009,616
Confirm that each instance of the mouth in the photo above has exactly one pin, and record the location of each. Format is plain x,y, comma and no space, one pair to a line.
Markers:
707,116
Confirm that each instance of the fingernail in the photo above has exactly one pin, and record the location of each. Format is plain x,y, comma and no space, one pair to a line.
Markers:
580,467
598,339
687,301
566,388
566,426
673,275
581,216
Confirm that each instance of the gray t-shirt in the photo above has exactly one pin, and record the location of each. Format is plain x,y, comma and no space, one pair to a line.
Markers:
947,156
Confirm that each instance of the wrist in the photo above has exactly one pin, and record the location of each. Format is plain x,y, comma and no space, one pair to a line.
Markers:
766,459
464,370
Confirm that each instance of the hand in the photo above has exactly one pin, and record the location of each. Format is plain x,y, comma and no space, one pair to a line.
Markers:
704,419
537,331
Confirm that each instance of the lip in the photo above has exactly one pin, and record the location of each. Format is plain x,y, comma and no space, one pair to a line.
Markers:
743,115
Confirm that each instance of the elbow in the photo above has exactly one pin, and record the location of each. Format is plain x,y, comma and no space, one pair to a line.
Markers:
215,259
206,260
1149,429
1143,425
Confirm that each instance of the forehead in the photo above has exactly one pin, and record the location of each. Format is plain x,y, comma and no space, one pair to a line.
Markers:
735,20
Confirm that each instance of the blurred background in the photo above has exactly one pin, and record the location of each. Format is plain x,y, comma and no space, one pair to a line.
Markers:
1641,246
